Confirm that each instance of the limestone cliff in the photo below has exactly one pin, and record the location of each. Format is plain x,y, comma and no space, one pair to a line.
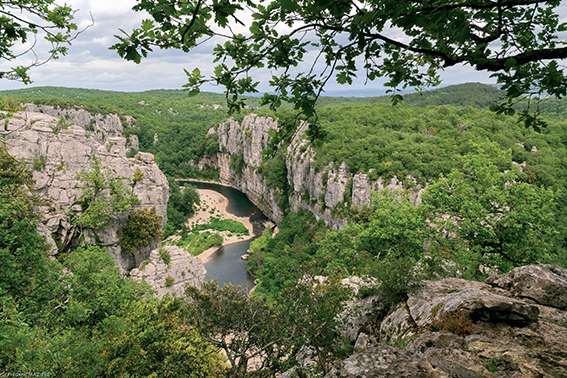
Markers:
58,144
325,192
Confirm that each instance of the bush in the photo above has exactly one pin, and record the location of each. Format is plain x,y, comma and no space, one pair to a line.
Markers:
165,256
258,248
458,323
274,170
169,281
142,229
181,205
38,163
237,164
98,207
197,242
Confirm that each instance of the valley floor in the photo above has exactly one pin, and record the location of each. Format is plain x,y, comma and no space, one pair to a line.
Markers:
214,204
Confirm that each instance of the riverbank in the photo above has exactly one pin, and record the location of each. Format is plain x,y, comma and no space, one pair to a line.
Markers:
214,204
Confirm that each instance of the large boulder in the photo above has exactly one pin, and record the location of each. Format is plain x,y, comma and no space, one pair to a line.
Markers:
169,270
458,328
57,151
440,300
544,284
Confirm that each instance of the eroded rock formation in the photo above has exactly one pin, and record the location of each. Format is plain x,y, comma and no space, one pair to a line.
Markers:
169,269
58,144
513,326
325,192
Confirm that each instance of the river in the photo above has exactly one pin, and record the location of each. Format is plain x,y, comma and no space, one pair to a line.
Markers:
226,265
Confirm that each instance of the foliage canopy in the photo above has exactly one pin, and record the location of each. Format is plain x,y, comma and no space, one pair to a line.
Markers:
406,42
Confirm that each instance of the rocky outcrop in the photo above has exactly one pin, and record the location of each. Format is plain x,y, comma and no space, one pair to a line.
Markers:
544,284
458,328
58,145
247,141
327,192
169,269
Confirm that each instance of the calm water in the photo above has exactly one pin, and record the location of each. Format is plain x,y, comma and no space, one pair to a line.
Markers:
226,266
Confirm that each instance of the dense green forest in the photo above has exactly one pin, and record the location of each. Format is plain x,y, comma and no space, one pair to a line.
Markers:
173,125
76,315
472,162
497,187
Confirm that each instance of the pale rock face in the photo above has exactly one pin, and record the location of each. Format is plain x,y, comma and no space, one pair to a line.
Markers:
545,284
321,191
183,270
58,152
450,296
337,186
247,139
101,126
360,190
503,329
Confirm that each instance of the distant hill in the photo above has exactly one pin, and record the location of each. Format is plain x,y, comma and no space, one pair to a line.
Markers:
469,94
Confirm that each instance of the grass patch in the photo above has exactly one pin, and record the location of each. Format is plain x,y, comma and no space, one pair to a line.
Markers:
169,281
197,242
165,256
39,162
221,225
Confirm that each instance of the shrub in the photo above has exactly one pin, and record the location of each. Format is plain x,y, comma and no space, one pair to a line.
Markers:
10,104
197,242
458,323
274,170
258,249
102,197
181,205
237,164
137,176
62,124
38,163
142,229
169,281
165,256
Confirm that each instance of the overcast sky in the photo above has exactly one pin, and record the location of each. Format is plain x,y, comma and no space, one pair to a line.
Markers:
90,64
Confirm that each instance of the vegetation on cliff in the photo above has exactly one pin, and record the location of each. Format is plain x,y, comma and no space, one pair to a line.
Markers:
495,199
77,315
487,214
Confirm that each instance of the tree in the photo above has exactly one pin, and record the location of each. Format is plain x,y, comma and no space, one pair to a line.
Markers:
103,196
142,229
181,205
243,326
265,338
407,42
29,26
489,215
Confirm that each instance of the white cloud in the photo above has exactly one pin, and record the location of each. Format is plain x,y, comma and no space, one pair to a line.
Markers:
91,64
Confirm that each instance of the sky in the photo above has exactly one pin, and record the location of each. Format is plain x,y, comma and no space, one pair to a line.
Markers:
90,63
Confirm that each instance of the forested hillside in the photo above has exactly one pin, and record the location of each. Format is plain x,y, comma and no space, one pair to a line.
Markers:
173,125
494,199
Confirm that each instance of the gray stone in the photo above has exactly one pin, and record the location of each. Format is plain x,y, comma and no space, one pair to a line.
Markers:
545,284
183,270
449,297
68,150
